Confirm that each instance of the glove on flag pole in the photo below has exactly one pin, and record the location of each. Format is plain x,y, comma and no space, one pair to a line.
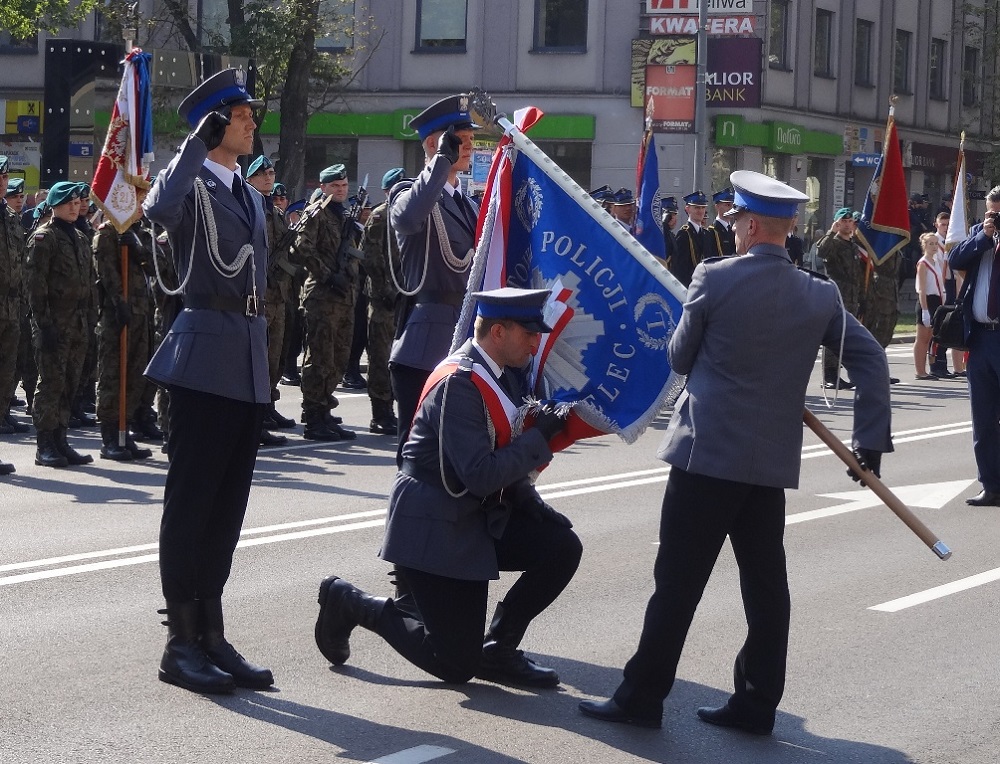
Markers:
613,307
958,223
646,227
884,228
128,149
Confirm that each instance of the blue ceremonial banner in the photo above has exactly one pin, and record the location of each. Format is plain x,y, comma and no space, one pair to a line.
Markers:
647,226
613,307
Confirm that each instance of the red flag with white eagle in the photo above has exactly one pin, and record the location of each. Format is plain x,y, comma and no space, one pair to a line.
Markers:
128,149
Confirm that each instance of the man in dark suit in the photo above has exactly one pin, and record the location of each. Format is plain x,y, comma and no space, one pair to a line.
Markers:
981,312
461,510
435,225
213,361
694,242
734,444
721,229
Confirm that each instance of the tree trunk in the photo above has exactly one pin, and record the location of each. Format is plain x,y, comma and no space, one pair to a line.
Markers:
295,101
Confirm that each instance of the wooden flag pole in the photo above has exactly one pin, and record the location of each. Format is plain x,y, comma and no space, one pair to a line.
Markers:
879,488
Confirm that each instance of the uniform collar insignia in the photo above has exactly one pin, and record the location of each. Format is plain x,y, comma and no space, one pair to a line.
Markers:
210,184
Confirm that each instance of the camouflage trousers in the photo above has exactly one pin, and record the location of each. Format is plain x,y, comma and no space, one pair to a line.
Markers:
109,370
10,337
59,371
276,314
880,319
381,329
329,331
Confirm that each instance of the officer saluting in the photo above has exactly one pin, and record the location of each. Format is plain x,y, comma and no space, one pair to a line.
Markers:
213,361
694,242
435,225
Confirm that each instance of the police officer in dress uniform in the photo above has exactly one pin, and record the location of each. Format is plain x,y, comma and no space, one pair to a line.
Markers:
59,278
461,509
328,298
734,447
435,225
131,310
280,274
214,363
379,247
622,207
694,241
721,229
668,204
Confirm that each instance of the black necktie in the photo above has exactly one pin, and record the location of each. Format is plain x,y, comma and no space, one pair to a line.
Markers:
240,195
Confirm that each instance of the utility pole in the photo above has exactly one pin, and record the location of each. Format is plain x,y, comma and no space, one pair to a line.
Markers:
700,131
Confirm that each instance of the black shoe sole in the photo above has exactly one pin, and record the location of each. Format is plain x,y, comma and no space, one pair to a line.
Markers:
335,659
635,721
512,681
191,687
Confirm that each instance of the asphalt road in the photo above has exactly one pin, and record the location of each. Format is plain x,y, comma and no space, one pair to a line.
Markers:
892,655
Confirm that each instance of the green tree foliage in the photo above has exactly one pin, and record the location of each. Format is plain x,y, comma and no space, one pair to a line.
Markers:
24,19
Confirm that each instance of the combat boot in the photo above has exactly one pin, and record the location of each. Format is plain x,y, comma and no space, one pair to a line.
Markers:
334,424
10,426
184,662
79,417
143,424
74,457
343,606
223,654
502,662
383,421
273,419
47,455
270,440
134,449
111,450
316,427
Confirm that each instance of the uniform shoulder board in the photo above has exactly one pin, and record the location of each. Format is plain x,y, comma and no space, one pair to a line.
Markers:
716,259
815,274
39,235
465,365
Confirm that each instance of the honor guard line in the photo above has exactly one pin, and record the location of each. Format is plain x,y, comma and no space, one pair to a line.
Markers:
483,111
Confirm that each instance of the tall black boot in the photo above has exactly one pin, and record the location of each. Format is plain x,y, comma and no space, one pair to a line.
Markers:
383,420
184,662
73,457
343,606
277,420
111,449
502,662
223,654
47,455
316,426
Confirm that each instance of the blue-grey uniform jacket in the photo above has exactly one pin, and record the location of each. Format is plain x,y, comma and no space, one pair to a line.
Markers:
426,337
429,530
748,367
223,352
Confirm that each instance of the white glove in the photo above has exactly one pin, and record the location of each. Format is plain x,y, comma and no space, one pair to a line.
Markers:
926,316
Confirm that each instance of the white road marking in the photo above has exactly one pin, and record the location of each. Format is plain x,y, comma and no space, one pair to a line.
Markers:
927,496
919,598
415,755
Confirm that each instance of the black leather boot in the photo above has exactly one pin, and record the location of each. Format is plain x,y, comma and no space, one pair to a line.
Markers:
184,662
10,426
6,468
383,420
81,417
277,420
343,606
223,654
73,457
316,427
111,449
135,450
269,439
502,662
334,424
47,455
143,424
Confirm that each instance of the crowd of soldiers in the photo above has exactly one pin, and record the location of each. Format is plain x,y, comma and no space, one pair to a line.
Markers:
72,289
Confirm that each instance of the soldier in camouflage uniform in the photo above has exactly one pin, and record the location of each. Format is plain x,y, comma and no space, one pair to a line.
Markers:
382,295
120,310
839,255
11,258
85,400
58,278
881,300
280,274
328,298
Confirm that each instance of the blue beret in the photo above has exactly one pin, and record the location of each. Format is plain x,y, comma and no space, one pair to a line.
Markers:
62,192
696,199
452,111
296,206
40,209
525,306
259,164
668,203
16,186
279,190
756,192
725,195
333,172
227,88
84,190
392,177
4,163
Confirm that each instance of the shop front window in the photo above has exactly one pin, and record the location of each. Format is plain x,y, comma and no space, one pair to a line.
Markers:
723,165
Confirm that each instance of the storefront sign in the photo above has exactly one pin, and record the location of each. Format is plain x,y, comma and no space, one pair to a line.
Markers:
663,52
733,75
717,25
672,91
715,7
779,137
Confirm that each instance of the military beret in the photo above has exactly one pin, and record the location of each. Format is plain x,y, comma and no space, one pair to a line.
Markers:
260,164
843,212
392,177
40,209
4,164
227,88
296,206
62,192
725,195
84,190
696,199
452,111
332,173
525,306
16,186
279,190
762,194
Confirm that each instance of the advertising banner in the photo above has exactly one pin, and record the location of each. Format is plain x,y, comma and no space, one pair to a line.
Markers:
734,72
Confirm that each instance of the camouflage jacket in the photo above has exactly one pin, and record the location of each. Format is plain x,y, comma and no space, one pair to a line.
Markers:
11,259
381,288
58,273
108,265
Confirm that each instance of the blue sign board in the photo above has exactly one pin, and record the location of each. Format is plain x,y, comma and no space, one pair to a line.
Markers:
865,160
28,125
77,149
